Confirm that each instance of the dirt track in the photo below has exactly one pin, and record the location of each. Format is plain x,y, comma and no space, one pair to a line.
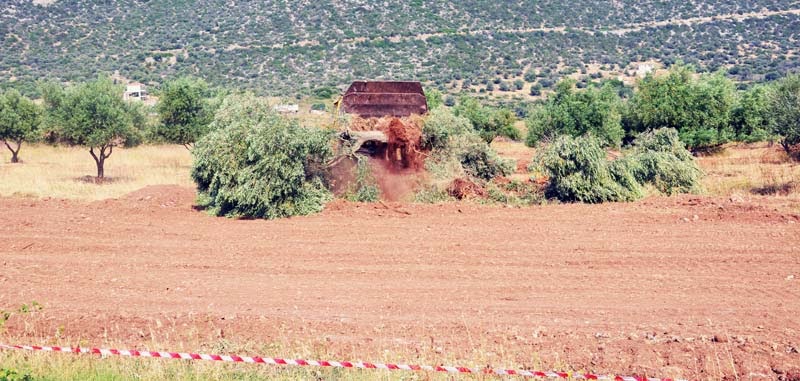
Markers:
683,286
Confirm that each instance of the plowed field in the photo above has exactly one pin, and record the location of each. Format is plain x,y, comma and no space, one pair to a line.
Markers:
683,286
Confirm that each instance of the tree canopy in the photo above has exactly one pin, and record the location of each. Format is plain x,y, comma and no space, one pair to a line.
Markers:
257,164
489,122
92,115
184,111
699,110
784,108
19,121
576,113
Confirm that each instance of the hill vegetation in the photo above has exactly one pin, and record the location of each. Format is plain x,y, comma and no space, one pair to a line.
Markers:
296,47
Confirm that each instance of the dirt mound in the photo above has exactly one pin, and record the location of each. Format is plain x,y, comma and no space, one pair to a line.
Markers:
404,144
396,163
464,189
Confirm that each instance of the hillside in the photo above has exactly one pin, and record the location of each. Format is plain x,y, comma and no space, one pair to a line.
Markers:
291,47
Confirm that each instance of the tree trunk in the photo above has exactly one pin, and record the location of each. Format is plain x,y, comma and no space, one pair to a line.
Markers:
14,154
100,164
99,160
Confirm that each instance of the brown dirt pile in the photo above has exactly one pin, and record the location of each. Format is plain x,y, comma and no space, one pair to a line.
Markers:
404,135
465,189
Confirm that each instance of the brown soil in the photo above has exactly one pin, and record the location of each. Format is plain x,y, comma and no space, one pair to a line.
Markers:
404,138
465,189
404,144
684,286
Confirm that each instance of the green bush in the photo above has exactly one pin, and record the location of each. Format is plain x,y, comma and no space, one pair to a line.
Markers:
576,113
440,125
488,122
660,158
478,159
256,164
699,108
784,107
458,150
13,375
579,171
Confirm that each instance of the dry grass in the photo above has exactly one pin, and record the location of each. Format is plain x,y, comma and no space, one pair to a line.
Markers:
744,170
62,172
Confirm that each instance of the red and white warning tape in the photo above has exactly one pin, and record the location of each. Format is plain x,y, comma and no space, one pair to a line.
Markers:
334,364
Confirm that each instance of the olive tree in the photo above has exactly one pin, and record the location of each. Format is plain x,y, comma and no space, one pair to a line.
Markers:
784,109
699,109
576,113
488,122
184,111
92,115
254,163
19,121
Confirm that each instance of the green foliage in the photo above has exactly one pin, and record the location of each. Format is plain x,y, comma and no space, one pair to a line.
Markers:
659,158
324,92
19,121
457,150
784,107
286,51
488,122
577,113
92,115
365,188
750,118
319,107
579,171
440,125
699,109
13,375
434,99
257,164
515,193
478,159
184,111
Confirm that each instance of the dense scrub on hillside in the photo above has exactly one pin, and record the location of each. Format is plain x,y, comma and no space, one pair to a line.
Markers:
284,48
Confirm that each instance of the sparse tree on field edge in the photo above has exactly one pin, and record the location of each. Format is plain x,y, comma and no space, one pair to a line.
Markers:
19,121
92,115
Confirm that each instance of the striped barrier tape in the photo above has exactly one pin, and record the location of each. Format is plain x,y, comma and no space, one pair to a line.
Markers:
333,364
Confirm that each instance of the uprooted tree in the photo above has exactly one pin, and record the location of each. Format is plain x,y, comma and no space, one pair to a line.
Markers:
19,121
578,168
93,115
257,164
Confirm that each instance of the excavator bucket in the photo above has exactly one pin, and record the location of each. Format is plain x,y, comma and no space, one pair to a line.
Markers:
384,98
